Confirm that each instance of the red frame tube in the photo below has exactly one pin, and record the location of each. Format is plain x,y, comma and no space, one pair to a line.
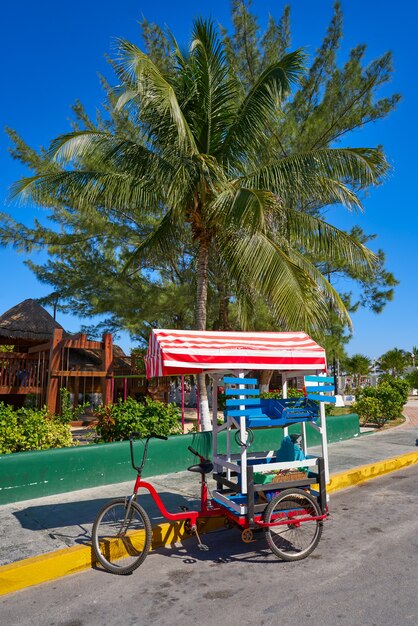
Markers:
217,510
193,516
287,521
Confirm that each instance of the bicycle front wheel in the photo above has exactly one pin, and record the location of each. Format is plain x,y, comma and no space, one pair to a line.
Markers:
121,537
295,540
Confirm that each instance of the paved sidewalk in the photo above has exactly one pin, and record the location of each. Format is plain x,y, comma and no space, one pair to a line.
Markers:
43,525
410,410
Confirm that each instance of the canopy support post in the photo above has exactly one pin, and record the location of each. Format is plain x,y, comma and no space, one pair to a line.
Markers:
182,404
284,394
243,441
215,380
198,408
324,439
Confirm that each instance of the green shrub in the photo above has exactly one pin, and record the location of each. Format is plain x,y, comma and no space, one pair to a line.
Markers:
221,401
117,421
391,398
277,394
30,429
399,384
412,379
68,412
11,436
369,410
160,418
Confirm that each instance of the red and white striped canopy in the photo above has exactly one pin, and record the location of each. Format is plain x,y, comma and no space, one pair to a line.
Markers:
172,352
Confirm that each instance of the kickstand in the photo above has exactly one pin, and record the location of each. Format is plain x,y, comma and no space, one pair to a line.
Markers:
200,545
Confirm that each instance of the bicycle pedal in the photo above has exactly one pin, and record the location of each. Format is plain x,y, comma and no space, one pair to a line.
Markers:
203,547
184,508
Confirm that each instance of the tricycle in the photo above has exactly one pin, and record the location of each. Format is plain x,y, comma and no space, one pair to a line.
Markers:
254,490
291,521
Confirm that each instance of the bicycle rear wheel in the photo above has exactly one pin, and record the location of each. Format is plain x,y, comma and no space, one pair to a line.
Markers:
296,540
121,539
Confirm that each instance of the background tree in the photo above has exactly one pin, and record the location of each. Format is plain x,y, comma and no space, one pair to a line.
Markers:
414,356
98,239
199,169
350,106
394,362
412,379
357,365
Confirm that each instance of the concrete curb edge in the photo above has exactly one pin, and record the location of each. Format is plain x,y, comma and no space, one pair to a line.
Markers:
53,565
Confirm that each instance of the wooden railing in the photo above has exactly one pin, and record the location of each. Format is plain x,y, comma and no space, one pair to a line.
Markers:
21,372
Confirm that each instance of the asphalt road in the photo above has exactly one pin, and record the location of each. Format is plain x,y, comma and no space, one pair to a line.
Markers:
364,572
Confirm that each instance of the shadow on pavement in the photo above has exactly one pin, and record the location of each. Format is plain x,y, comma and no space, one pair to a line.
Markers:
73,520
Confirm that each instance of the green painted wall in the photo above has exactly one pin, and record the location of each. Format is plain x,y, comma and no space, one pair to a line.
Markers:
27,475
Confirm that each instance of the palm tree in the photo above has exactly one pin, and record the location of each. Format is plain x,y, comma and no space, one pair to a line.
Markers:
199,163
358,365
394,362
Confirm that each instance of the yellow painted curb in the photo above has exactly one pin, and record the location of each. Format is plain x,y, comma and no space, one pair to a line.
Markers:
360,474
52,565
60,563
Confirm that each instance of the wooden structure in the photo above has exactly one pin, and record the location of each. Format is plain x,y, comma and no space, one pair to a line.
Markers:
57,371
46,358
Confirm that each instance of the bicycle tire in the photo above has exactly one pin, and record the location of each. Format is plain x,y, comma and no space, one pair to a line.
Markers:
293,542
120,545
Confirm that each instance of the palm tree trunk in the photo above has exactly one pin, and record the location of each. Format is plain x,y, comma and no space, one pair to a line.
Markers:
201,315
265,378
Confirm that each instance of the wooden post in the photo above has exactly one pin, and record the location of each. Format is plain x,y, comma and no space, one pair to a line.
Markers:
107,361
76,391
54,364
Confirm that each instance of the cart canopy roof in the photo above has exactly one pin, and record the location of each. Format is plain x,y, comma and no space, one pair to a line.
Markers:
172,352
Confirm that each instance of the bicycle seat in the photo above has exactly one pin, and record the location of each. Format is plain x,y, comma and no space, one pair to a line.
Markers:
205,467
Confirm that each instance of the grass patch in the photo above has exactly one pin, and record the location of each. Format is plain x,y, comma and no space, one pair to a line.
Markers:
396,422
341,410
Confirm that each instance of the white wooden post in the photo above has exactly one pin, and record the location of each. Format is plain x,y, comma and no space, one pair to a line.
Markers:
243,439
215,381
284,392
304,442
324,439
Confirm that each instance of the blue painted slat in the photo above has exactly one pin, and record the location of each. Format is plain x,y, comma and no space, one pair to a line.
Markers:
319,398
319,379
244,401
240,381
242,392
321,388
247,412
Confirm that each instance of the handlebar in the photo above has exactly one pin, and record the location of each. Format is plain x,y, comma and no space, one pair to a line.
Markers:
144,456
195,452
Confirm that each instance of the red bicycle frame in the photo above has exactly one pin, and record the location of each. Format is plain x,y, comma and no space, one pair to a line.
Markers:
212,510
193,516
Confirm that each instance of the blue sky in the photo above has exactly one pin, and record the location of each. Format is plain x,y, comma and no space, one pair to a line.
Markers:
51,55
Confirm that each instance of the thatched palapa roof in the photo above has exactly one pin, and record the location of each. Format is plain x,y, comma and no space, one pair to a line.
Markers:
29,321
87,359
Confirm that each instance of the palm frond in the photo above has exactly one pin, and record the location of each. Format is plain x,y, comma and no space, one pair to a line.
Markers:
153,91
330,294
261,104
358,167
215,103
318,237
88,190
164,239
292,294
243,208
